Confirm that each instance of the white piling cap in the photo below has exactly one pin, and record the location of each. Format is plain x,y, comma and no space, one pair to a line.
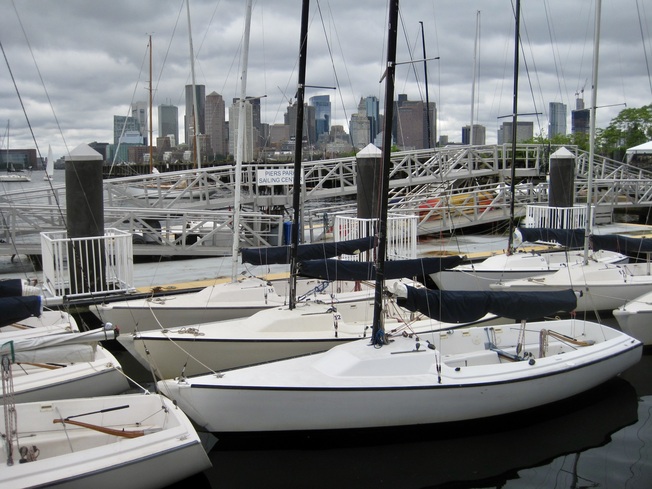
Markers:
84,152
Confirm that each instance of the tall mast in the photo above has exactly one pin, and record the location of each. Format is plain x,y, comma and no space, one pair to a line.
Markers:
194,91
594,103
475,76
378,330
425,78
298,140
151,161
239,157
517,40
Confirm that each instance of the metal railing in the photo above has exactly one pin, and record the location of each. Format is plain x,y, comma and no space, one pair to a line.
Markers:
75,268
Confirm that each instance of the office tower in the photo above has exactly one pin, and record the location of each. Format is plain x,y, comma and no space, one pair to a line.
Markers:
290,118
580,118
322,105
410,124
479,135
189,118
372,106
557,119
126,127
215,128
139,111
168,122
524,131
359,126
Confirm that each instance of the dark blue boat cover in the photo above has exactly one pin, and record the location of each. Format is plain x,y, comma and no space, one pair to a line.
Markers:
571,238
11,288
281,254
16,309
621,244
456,306
355,270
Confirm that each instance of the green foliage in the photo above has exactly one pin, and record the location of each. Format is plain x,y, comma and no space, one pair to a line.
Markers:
631,127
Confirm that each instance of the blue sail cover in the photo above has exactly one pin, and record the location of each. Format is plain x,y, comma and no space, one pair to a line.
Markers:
571,238
621,244
456,306
281,254
16,309
354,270
11,287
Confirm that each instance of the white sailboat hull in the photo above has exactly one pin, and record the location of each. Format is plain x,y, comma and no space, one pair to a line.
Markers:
602,287
503,267
79,457
218,302
635,318
358,386
263,337
64,372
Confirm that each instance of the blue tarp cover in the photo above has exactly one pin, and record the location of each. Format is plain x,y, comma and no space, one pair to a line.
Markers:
352,270
464,306
14,309
281,254
571,238
621,244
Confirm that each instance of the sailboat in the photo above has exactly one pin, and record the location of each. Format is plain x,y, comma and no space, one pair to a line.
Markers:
603,287
408,380
310,322
523,265
133,440
513,265
635,318
45,356
243,295
60,366
12,174
49,166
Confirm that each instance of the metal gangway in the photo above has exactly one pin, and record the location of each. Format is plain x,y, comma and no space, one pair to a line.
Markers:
190,212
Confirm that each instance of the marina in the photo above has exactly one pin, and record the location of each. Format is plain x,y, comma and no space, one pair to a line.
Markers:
371,320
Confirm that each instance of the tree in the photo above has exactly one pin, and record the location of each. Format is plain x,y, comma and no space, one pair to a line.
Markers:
631,127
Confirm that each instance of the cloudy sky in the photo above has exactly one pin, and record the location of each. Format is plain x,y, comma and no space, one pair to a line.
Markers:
77,63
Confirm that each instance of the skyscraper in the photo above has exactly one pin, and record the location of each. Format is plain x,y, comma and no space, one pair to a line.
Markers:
215,123
189,118
322,105
479,135
372,105
557,119
139,111
524,131
410,124
580,118
168,121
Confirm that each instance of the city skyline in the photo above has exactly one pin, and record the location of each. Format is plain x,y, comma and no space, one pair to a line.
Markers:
89,82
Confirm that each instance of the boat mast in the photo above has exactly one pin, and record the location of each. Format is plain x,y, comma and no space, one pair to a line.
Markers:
194,91
151,161
239,157
425,78
594,103
475,75
517,39
298,140
378,330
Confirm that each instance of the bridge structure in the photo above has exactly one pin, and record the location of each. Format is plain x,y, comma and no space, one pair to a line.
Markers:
191,212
